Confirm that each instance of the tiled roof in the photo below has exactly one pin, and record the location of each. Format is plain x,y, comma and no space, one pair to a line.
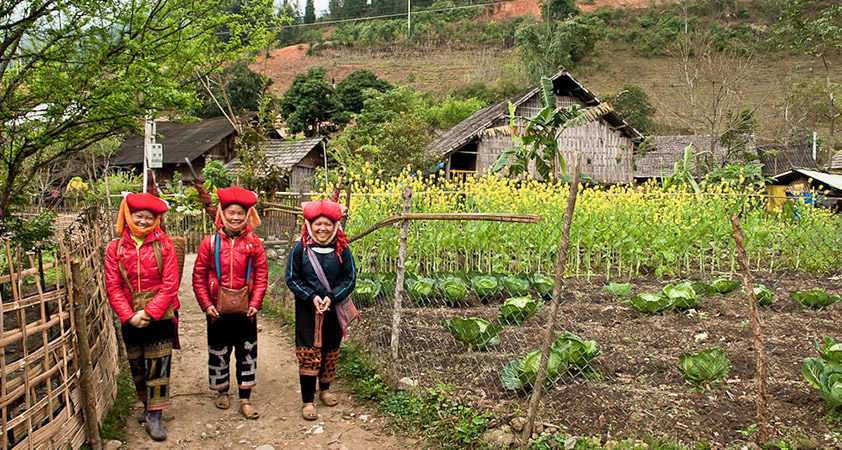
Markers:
282,153
836,161
468,129
180,140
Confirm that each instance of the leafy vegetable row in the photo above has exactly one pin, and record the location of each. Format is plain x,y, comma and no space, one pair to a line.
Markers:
688,294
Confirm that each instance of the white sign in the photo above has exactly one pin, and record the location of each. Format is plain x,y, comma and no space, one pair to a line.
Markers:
156,156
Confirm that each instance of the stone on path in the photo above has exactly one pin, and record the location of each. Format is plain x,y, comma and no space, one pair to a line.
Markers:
112,445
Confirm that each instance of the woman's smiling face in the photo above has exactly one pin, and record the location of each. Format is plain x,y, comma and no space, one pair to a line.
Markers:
323,229
143,218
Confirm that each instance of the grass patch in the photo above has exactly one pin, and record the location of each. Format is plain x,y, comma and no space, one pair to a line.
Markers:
436,414
114,424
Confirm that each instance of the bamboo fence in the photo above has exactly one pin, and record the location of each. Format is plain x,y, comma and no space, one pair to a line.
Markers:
56,336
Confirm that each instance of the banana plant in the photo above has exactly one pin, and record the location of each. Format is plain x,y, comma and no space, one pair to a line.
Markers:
538,140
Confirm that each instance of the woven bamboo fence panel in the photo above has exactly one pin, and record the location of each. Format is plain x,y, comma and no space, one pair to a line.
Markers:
41,399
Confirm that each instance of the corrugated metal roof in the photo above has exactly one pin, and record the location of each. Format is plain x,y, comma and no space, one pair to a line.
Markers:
180,140
282,153
828,179
465,131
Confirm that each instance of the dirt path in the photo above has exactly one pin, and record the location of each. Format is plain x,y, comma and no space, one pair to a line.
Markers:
194,423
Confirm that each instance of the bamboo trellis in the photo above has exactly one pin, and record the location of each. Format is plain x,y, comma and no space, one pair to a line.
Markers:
42,311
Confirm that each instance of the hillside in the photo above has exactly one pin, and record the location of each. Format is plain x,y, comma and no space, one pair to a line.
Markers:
439,69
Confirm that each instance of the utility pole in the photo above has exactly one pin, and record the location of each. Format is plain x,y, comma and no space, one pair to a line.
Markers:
153,153
408,18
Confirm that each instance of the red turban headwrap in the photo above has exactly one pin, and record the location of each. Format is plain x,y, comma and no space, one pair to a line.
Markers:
240,196
331,210
146,201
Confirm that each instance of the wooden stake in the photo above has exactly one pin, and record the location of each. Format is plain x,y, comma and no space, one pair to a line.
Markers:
757,331
86,380
549,330
396,313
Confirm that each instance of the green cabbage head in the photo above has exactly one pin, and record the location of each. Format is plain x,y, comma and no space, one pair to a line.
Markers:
516,310
474,332
815,299
703,368
484,285
453,289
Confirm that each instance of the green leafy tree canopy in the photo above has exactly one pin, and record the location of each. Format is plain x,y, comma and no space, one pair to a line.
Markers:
310,105
352,91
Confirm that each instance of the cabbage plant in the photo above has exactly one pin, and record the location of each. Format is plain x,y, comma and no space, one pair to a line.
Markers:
722,286
618,290
473,331
763,295
366,291
453,289
484,285
516,310
704,368
420,289
682,295
543,285
825,373
649,303
816,298
515,287
567,353
387,281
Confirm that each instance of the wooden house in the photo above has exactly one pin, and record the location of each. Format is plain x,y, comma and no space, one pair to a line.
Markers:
606,145
777,159
298,158
196,141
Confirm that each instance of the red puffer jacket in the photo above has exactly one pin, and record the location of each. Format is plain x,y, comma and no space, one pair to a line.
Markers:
233,256
141,261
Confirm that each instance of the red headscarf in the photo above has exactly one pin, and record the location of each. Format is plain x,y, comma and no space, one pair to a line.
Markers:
243,197
332,211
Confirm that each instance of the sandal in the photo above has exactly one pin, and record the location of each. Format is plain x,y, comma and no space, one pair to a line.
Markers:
328,399
248,411
308,412
222,401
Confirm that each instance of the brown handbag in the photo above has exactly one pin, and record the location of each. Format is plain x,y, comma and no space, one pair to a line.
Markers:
230,301
141,299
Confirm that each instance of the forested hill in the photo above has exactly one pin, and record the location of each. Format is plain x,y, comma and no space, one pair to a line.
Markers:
679,53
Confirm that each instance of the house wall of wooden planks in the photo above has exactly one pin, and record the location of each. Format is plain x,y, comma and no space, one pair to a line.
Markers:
41,399
606,152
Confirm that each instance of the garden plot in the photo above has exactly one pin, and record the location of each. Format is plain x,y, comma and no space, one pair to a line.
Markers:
638,389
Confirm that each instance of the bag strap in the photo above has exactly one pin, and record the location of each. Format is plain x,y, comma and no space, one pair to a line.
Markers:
122,267
159,261
317,267
217,261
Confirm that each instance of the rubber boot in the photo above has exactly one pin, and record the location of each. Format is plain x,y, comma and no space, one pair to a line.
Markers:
154,427
142,418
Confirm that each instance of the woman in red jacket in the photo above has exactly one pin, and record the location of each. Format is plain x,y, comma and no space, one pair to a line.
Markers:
141,280
230,280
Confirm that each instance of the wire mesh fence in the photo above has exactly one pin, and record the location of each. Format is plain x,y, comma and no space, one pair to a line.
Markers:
653,331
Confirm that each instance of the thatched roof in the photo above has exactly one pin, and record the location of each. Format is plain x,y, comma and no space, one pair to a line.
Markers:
180,140
467,130
282,153
779,159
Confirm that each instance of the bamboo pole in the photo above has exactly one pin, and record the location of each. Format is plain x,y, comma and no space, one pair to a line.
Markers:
400,275
757,331
86,381
549,331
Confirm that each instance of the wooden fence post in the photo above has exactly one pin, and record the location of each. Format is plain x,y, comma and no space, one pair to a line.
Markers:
549,331
757,331
86,383
401,272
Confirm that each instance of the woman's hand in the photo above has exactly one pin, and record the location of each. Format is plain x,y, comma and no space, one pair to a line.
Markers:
252,311
317,302
138,320
325,305
212,312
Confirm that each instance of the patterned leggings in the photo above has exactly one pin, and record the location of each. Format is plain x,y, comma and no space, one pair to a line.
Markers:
315,362
149,351
237,333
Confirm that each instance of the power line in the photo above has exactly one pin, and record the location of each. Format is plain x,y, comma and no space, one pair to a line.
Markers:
384,16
